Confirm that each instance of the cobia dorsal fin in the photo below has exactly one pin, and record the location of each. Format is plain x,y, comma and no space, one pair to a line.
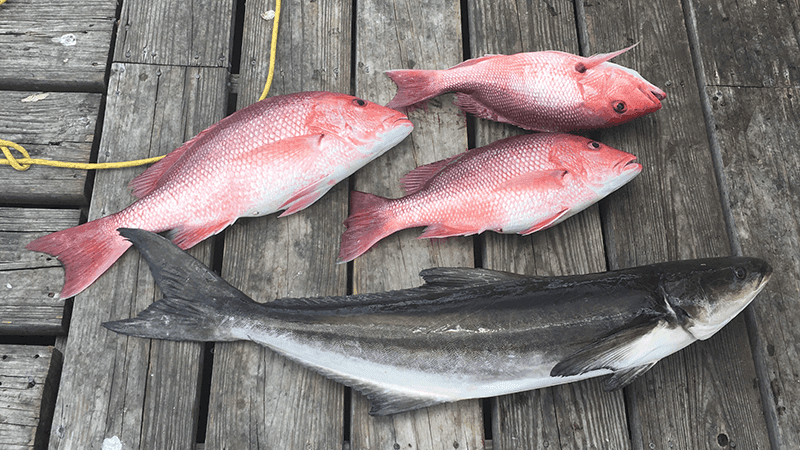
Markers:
626,350
466,276
595,60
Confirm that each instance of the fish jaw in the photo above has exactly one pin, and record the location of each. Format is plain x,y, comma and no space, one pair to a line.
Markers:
626,170
615,94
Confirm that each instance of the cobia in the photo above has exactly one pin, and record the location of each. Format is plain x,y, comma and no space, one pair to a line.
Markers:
465,333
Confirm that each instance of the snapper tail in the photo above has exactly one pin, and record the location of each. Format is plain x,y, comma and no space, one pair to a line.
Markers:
414,86
368,223
85,251
198,305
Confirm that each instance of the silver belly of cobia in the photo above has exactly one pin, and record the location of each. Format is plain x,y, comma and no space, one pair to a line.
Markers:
466,333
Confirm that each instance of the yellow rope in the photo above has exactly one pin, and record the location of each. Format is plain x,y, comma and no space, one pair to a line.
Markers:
26,161
273,45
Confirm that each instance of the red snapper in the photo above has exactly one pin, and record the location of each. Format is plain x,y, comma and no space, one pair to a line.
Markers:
520,184
540,91
282,153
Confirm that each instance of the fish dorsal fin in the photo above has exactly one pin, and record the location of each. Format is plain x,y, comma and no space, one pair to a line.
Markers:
148,180
620,379
471,62
413,181
596,60
178,274
620,351
455,277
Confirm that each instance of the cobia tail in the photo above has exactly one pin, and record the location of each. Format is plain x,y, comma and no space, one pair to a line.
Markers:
541,91
465,333
520,184
282,153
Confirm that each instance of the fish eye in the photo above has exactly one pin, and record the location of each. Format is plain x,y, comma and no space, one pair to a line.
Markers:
620,107
359,102
594,145
740,273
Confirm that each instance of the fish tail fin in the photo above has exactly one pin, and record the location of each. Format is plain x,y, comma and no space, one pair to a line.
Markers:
368,223
85,251
415,86
198,305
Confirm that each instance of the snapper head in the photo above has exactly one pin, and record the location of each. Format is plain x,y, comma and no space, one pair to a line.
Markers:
370,127
601,168
614,94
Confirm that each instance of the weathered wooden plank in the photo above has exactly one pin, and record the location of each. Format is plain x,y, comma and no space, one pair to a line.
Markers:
402,35
176,32
757,132
30,281
749,43
56,45
60,126
144,393
704,394
28,384
259,398
578,415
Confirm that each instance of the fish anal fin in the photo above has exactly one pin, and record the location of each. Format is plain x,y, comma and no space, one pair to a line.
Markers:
622,378
629,348
439,230
381,404
187,236
477,109
415,180
550,221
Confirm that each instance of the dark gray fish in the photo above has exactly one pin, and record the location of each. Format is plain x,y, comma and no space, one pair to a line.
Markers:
465,333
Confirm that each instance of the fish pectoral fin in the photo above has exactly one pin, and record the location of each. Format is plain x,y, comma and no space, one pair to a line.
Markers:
622,378
621,351
540,180
550,221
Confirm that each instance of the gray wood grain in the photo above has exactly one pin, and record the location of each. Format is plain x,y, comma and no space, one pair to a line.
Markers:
749,43
758,138
176,32
402,35
704,394
143,393
30,281
57,44
28,382
259,399
61,127
578,415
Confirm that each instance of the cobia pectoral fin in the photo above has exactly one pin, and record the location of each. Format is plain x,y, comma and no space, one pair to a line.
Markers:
628,353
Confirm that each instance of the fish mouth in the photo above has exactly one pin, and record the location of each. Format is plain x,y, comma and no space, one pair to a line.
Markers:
629,164
655,94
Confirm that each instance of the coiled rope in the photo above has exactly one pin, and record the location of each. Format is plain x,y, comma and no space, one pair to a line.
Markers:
26,161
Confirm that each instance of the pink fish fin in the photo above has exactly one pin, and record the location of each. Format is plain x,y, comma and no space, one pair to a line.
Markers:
148,180
85,251
187,237
595,60
545,223
469,105
370,221
473,61
305,197
414,180
538,180
439,230
414,87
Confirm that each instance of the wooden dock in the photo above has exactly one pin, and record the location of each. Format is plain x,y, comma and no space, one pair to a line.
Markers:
128,79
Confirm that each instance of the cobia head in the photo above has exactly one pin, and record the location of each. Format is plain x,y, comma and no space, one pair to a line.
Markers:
370,127
706,294
615,94
601,168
